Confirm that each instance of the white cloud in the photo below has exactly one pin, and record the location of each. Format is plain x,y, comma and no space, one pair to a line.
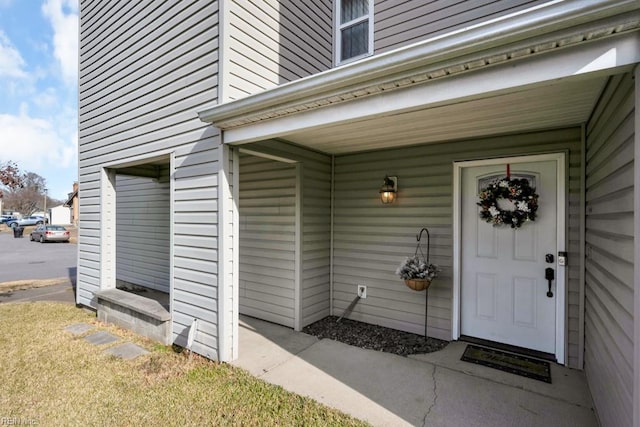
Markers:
36,145
47,98
63,16
11,62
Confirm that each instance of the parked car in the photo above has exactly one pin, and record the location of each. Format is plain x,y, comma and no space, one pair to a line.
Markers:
13,222
29,220
50,233
7,218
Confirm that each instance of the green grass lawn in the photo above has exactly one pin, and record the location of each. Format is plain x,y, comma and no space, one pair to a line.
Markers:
51,377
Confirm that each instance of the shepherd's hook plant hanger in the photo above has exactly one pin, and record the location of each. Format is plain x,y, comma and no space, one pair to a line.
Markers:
426,295
419,248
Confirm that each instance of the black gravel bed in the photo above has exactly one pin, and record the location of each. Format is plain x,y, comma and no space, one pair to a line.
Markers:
373,337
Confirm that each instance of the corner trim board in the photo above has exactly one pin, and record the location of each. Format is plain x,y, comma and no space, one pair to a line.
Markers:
636,268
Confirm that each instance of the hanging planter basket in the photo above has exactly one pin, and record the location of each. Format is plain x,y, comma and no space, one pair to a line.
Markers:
417,284
416,271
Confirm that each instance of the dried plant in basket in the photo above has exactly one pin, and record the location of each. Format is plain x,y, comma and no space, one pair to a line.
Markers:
417,273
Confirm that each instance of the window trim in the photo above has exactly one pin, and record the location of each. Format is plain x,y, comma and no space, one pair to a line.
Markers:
338,32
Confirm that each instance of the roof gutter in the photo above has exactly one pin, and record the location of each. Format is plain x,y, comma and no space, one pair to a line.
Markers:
534,22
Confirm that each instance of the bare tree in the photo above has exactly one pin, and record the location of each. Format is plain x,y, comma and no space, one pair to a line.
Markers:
24,192
34,181
24,201
11,178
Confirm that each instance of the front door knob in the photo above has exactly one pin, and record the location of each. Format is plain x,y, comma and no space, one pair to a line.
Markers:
549,275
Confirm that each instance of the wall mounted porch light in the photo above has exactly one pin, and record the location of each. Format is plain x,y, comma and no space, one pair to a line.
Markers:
389,189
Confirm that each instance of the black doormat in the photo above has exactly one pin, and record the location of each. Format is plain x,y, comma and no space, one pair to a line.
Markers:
508,362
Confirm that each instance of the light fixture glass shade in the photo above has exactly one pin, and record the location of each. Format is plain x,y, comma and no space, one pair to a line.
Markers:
388,190
387,197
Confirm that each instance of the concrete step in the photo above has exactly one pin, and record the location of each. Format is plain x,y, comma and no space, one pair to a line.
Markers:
144,316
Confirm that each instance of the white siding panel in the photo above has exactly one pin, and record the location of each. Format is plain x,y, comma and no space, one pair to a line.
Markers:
609,288
267,236
146,68
371,239
269,43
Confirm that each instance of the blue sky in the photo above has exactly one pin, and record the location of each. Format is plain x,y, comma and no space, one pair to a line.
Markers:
38,89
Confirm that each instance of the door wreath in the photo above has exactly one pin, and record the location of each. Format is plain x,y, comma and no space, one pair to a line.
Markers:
516,190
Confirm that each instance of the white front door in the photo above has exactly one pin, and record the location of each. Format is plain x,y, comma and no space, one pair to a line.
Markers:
503,290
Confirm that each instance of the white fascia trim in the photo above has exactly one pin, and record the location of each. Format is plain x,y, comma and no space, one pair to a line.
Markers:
598,57
537,21
267,156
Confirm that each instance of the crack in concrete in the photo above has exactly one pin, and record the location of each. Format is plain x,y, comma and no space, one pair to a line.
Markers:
524,388
435,397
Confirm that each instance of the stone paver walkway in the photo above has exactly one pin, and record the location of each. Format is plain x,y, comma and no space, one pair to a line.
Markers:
125,350
101,338
79,328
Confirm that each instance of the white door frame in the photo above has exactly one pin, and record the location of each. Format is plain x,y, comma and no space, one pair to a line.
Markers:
561,288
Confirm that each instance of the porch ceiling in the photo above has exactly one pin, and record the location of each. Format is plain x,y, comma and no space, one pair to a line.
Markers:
566,103
539,69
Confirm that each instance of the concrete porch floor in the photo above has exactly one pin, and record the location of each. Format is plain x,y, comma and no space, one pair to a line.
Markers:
436,389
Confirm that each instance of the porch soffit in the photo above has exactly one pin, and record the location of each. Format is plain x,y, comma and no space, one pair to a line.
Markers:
442,66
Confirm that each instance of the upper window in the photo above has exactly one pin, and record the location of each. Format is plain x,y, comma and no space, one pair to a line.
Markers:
354,29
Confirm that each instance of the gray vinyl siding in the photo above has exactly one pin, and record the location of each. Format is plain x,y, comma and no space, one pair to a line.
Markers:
142,231
609,322
316,226
398,23
267,239
270,43
371,239
316,236
146,68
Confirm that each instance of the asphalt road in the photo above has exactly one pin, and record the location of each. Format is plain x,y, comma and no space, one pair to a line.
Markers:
21,259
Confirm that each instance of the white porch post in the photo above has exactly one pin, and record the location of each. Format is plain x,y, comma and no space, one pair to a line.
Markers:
636,255
297,308
235,281
227,256
107,229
